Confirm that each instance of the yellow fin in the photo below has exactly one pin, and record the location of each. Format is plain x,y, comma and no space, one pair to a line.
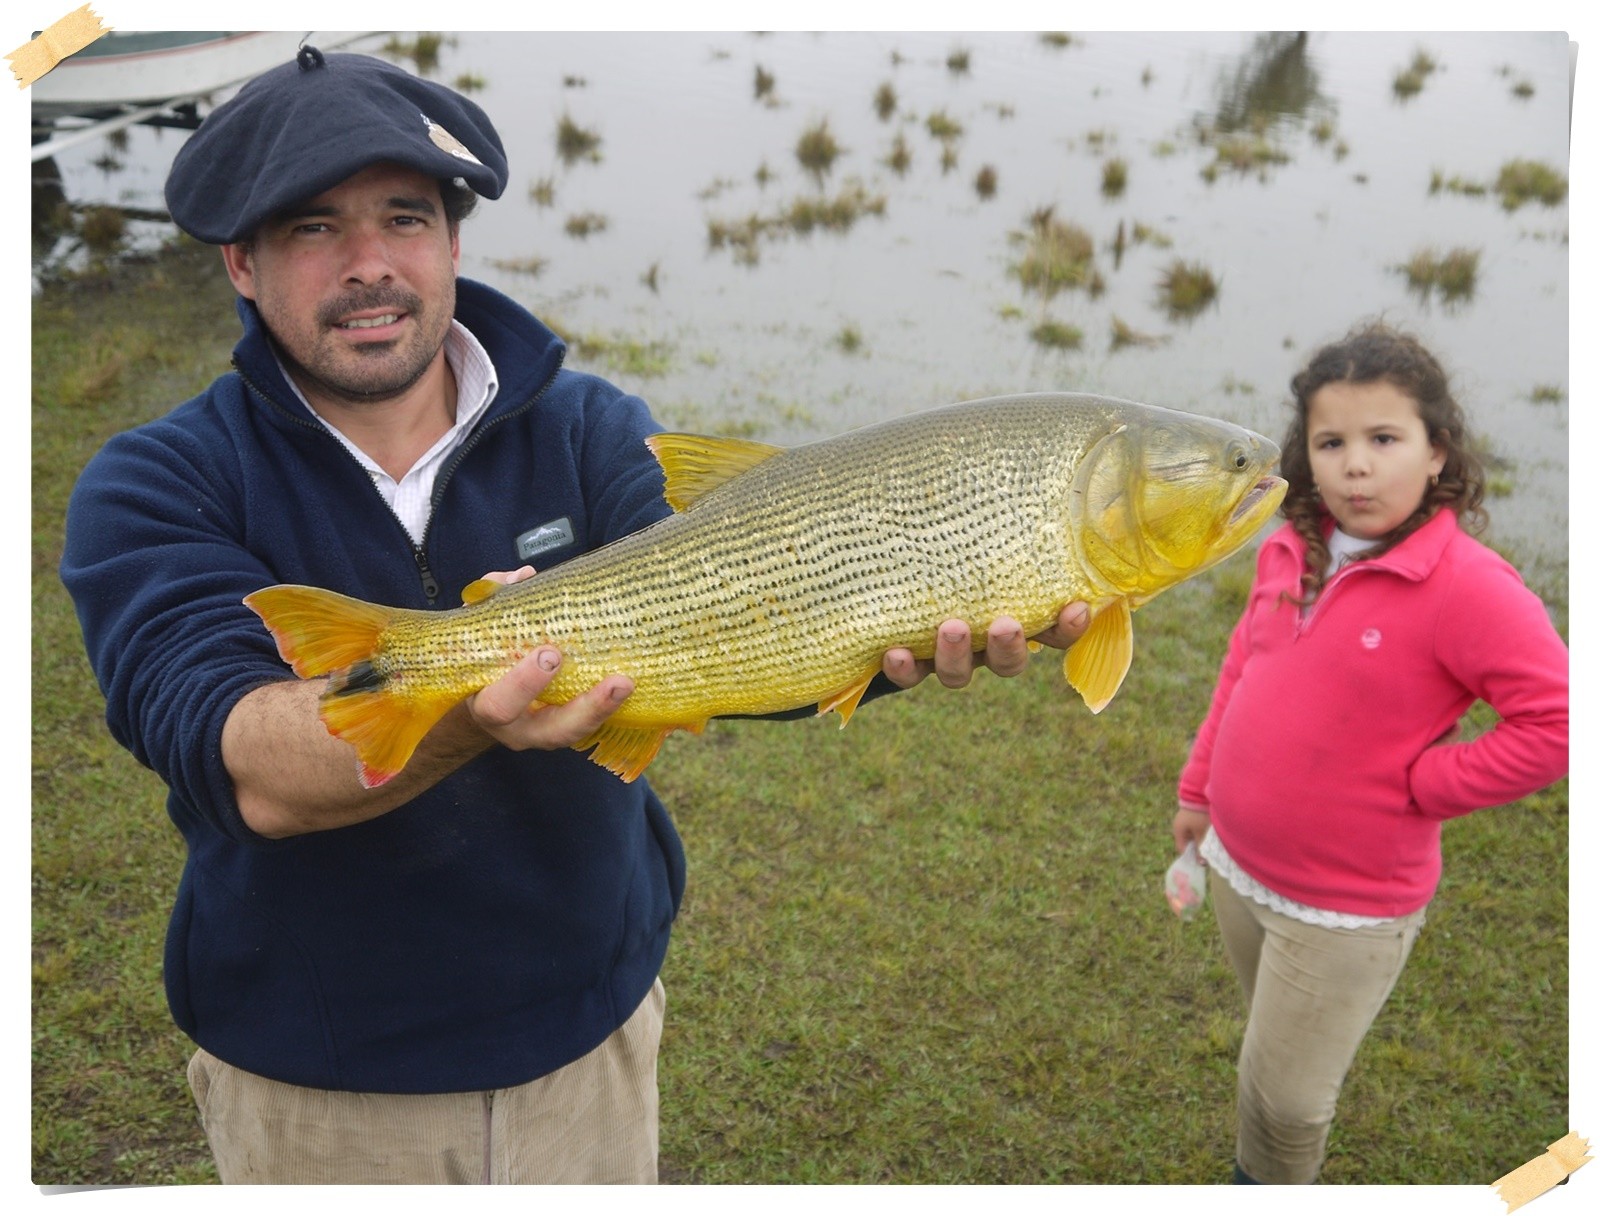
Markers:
383,728
324,633
1098,661
319,631
844,701
627,750
479,589
697,464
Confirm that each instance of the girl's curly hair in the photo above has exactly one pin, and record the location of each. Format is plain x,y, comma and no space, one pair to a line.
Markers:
1368,353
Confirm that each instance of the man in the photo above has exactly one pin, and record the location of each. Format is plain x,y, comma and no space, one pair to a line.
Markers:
452,977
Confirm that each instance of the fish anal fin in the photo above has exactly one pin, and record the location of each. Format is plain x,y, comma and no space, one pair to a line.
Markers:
1097,663
697,464
844,701
627,750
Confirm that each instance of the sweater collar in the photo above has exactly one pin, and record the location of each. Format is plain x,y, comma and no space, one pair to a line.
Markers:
525,352
1413,558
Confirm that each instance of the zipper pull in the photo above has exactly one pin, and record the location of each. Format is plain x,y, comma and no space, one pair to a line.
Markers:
430,585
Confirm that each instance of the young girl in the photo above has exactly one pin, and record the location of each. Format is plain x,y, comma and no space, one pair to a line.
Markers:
1318,783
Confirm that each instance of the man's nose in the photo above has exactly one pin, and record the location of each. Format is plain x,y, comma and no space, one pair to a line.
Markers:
366,257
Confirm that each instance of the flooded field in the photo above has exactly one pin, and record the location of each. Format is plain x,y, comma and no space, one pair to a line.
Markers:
788,235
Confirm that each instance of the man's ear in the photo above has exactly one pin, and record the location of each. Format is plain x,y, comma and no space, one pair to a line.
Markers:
241,271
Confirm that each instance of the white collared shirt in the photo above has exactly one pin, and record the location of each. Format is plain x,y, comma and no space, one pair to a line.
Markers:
411,497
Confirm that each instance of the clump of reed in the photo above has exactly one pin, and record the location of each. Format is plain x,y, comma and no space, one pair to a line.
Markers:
575,143
1409,80
1454,275
1186,288
1057,256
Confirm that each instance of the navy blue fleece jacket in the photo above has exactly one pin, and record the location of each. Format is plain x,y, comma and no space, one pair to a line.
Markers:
486,933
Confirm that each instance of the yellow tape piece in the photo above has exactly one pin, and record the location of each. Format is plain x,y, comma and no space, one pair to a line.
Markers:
66,37
1539,1175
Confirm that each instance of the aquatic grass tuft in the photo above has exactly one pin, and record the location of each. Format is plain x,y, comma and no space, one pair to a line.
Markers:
542,193
1057,335
764,83
849,340
1243,154
1058,256
1114,177
801,216
1547,394
986,182
470,82
1410,79
102,229
585,224
942,127
1187,288
530,266
1522,181
884,101
625,356
575,143
959,61
1453,274
817,149
1123,334
899,158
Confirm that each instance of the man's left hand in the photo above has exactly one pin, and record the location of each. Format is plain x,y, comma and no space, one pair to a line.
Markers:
1005,650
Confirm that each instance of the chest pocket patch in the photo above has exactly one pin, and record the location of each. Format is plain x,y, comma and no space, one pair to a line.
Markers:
556,534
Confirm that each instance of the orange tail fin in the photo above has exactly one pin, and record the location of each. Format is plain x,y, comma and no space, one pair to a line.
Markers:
324,633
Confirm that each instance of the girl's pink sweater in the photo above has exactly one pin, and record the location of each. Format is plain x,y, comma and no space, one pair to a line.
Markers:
1317,760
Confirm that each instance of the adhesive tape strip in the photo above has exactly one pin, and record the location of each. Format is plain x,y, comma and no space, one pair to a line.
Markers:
66,37
1543,1172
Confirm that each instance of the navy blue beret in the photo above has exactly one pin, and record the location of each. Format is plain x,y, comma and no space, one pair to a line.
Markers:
303,128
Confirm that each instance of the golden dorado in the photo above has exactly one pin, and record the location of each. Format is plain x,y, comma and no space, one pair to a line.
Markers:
786,573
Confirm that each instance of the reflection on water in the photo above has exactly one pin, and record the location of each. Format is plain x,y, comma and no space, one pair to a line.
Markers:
1276,78
791,234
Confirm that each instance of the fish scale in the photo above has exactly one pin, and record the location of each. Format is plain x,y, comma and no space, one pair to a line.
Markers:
785,574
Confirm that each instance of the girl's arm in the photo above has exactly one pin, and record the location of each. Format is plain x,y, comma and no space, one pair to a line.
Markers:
1495,637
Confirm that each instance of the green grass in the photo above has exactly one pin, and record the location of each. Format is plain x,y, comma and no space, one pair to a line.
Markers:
929,948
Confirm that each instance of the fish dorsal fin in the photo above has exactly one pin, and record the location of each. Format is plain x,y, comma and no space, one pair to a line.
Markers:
697,464
479,590
1098,661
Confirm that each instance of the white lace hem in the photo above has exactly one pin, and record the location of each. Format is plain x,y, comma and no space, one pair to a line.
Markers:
1226,868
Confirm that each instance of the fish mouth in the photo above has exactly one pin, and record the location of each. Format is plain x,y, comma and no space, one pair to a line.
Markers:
1251,502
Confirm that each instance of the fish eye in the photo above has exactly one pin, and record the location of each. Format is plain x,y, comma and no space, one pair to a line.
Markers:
1237,456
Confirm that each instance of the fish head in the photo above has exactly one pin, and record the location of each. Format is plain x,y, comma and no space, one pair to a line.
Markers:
1165,495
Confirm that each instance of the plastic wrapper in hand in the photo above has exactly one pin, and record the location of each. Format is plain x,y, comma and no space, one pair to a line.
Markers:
1186,883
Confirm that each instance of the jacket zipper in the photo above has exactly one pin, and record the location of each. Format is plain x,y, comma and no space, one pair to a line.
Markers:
419,552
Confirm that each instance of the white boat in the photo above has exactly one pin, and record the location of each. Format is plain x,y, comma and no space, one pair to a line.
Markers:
161,77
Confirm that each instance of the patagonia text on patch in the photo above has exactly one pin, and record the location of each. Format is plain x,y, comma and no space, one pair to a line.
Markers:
556,534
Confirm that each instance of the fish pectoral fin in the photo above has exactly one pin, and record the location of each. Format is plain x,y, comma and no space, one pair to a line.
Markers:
626,750
1097,663
479,590
697,464
844,701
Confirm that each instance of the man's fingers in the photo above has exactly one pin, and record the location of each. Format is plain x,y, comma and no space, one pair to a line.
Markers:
1006,650
509,710
952,655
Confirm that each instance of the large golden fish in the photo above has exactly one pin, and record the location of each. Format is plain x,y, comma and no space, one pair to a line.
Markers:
786,573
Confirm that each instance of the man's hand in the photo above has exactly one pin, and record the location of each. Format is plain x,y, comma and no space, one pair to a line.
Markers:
508,710
1005,650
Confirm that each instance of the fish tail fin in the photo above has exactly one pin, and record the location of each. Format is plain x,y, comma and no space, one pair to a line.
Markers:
1097,663
321,632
